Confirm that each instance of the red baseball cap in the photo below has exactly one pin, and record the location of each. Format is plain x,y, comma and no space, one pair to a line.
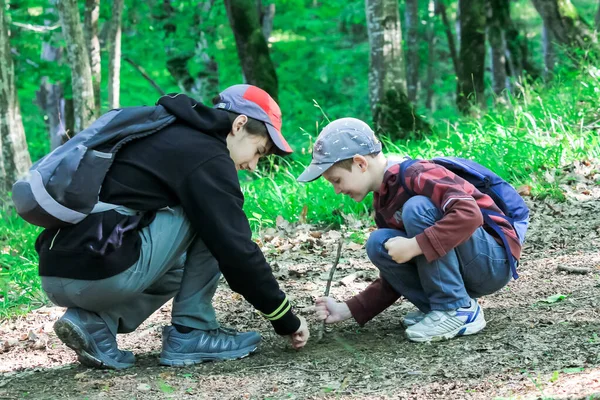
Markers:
255,103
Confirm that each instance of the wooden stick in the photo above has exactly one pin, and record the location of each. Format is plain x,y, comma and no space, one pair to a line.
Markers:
331,273
574,270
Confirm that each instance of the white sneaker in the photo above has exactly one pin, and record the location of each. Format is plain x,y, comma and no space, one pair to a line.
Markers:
412,318
443,325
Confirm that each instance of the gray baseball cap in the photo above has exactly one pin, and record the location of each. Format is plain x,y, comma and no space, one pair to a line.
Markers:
340,140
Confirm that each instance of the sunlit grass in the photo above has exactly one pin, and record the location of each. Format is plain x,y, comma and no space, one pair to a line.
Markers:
19,282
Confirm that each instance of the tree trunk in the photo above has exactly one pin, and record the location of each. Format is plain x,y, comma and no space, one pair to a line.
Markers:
470,88
50,99
204,85
567,27
92,13
114,55
14,155
441,10
431,44
392,112
518,54
598,18
252,47
267,15
79,59
411,16
549,53
495,29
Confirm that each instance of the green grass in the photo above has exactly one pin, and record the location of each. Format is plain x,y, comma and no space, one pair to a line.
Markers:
543,130
19,282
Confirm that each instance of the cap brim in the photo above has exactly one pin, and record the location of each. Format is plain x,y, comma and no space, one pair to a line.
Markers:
313,171
282,148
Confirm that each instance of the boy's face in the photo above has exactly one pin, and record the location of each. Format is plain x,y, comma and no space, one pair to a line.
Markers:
355,183
246,149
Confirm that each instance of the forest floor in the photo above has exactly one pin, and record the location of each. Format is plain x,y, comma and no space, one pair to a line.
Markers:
542,339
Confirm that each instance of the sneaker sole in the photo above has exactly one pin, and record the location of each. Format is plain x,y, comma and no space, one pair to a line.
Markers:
469,329
182,360
82,343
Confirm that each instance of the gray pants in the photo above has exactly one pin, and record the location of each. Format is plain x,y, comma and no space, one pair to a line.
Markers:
173,263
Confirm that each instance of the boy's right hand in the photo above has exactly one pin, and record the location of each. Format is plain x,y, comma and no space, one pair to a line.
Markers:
330,311
300,337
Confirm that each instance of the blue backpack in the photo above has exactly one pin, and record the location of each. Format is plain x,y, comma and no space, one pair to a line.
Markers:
504,195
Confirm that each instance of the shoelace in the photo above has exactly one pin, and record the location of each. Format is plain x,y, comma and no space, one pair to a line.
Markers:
226,331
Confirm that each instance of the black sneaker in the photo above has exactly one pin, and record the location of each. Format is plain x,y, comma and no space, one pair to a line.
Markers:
181,349
87,334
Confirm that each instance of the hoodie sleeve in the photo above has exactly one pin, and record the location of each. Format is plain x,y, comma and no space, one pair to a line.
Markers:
212,199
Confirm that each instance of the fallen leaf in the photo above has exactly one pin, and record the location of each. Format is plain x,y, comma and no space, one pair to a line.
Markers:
39,345
32,336
554,298
143,387
524,190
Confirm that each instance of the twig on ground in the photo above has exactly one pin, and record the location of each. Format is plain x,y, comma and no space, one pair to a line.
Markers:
289,366
331,273
574,270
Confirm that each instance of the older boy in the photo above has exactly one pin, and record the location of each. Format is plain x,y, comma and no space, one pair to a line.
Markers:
115,268
431,247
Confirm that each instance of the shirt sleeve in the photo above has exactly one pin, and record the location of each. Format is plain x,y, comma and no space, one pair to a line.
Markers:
378,296
454,197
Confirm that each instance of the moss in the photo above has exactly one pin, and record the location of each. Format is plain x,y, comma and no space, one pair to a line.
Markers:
567,9
395,116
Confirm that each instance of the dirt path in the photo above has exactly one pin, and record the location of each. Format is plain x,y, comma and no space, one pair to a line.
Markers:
536,344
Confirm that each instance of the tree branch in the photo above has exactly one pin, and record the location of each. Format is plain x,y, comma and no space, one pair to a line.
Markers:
36,28
143,72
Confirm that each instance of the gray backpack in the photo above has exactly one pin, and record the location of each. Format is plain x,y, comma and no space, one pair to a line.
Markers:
62,188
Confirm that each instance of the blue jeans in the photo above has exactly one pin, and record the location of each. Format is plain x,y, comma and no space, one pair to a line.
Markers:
475,268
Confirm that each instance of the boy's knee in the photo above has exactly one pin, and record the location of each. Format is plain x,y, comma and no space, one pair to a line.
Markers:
417,213
375,245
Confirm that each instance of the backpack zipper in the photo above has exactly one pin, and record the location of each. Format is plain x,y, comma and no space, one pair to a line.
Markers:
53,239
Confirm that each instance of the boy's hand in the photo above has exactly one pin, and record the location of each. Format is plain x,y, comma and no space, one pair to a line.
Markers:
300,337
330,311
402,249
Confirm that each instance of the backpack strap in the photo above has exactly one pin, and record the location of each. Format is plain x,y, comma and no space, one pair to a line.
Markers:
404,165
492,224
102,207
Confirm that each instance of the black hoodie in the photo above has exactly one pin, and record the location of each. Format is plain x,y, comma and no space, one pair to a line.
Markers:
186,164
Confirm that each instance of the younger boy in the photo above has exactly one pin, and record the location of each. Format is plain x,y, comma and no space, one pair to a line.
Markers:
431,246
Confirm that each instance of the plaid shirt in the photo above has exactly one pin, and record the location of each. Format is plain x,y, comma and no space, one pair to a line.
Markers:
458,199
